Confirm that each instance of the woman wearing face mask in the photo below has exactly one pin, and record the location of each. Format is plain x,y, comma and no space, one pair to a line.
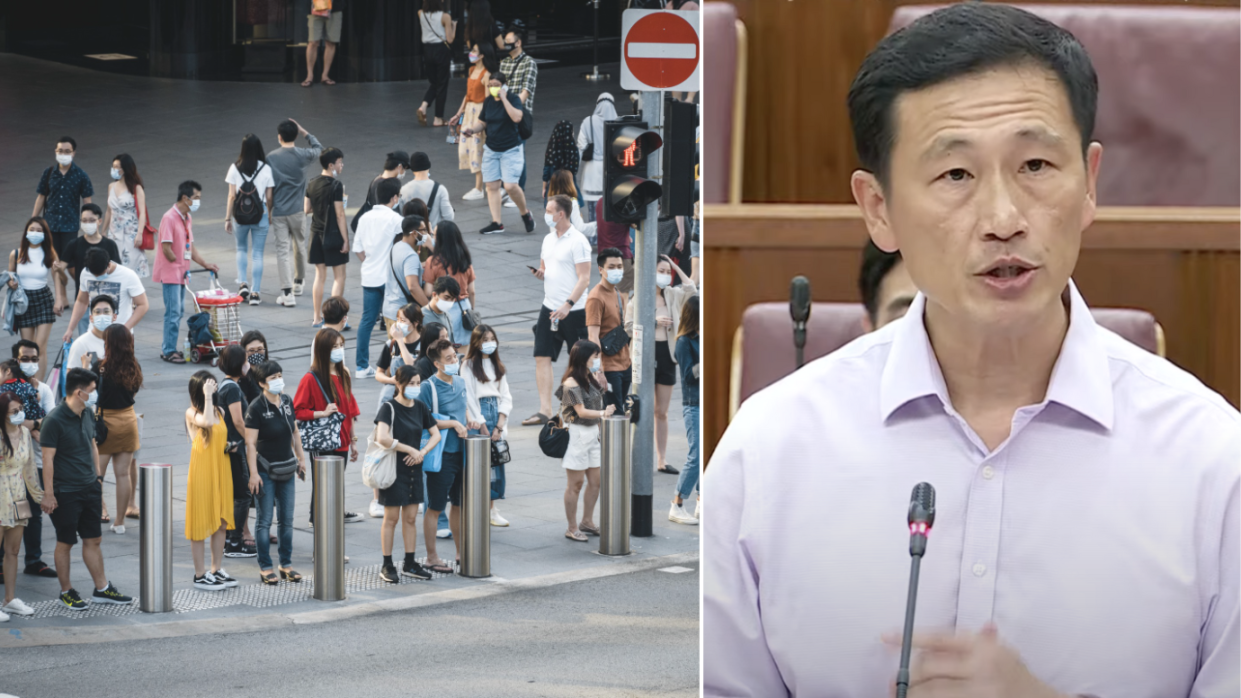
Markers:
209,487
489,400
326,390
255,345
402,420
470,148
450,258
432,332
581,399
401,349
669,300
272,441
447,307
127,213
233,402
33,263
17,478
120,379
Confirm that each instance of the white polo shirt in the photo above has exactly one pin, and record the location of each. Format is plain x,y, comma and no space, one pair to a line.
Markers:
561,254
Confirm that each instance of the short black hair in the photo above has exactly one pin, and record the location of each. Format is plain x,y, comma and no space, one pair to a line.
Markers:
397,158
68,139
287,130
607,253
78,378
447,284
93,208
334,310
103,298
955,41
265,369
519,30
386,189
329,156
232,360
25,344
439,348
876,264
97,260
410,224
187,188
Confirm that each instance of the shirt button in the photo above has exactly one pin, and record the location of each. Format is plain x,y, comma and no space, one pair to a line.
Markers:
979,569
988,472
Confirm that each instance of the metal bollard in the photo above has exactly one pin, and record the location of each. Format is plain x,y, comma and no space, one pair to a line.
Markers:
155,537
614,496
329,528
476,508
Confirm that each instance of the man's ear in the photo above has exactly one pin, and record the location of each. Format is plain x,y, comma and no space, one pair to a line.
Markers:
870,198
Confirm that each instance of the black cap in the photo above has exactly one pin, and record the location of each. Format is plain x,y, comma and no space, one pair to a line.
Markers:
419,162
402,157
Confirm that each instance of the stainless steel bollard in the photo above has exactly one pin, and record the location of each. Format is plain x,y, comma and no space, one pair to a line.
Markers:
476,508
155,537
329,505
614,492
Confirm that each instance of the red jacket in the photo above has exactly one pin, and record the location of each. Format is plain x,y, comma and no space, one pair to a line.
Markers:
309,399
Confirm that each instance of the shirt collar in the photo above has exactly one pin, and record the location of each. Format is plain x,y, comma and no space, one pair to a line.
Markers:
1080,380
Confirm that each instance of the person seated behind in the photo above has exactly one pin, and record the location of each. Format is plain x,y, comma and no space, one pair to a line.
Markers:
88,348
887,289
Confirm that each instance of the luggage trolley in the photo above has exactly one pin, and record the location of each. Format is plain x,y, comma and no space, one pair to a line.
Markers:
221,306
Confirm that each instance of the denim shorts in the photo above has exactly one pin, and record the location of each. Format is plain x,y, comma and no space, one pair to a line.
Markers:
505,166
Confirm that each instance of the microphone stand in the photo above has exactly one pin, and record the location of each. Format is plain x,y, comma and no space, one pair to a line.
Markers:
917,546
799,342
595,75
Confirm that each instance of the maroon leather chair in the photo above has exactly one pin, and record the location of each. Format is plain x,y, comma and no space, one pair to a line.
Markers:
723,103
766,333
1169,98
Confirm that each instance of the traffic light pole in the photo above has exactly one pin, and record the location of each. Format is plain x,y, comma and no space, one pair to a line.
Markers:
646,259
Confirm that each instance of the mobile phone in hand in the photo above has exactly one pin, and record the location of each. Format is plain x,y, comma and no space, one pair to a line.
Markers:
534,269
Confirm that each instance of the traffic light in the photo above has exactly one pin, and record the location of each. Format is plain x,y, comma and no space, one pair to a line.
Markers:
626,189
680,158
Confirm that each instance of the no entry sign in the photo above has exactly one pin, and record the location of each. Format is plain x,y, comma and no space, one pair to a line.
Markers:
660,50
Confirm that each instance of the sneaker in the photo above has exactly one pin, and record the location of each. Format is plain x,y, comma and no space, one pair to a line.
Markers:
238,549
422,507
677,514
72,600
254,299
18,608
444,533
492,228
297,288
473,195
111,595
38,569
286,300
509,203
416,571
208,583
368,372
4,618
528,219
698,510
497,520
118,529
222,577
389,575
244,292
249,550
352,517
377,510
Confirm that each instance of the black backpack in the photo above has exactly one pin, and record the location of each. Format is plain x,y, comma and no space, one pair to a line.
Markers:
248,204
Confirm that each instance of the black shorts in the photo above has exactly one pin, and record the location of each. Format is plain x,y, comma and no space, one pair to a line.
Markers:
78,514
445,486
328,256
406,489
665,367
571,329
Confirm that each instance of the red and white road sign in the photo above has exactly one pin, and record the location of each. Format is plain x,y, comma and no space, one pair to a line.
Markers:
660,50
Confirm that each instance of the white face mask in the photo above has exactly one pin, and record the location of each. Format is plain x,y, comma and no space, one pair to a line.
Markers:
18,418
663,280
596,364
551,222
194,204
116,174
410,392
338,355
489,348
35,237
275,386
63,159
90,228
90,399
615,276
30,367
402,328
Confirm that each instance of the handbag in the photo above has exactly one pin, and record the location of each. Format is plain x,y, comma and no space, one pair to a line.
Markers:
23,509
617,338
434,460
554,438
589,153
101,429
500,453
321,8
379,463
322,435
147,240
470,319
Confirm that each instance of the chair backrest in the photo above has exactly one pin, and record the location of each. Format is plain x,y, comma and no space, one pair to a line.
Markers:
1169,98
763,352
723,103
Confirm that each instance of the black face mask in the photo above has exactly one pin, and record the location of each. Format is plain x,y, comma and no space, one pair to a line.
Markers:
510,47
256,359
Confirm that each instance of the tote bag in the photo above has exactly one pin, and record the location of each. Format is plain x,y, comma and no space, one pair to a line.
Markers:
322,435
379,464
434,459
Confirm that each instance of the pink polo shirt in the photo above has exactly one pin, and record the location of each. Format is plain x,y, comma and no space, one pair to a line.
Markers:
180,232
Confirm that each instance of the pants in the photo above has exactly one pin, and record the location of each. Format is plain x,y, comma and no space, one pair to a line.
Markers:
243,234
241,492
437,60
290,232
372,304
619,381
688,478
314,468
174,308
491,414
32,536
278,495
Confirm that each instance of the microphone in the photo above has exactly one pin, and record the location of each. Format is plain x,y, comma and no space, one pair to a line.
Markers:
921,518
799,309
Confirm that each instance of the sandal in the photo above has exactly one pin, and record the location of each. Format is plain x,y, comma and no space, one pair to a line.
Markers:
577,536
668,470
536,419
308,82
588,530
105,519
173,358
290,575
441,567
422,117
269,577
328,81
131,514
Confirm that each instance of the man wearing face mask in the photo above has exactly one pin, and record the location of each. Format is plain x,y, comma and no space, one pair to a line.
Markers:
92,238
436,195
172,262
372,242
72,492
445,308
106,277
605,311
522,74
62,190
90,344
503,156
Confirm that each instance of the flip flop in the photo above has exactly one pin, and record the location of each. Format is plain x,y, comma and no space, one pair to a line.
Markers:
173,358
441,567
131,515
105,519
422,117
580,537
536,419
308,82
329,81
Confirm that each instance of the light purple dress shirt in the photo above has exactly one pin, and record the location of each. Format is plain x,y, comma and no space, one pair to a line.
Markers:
1101,537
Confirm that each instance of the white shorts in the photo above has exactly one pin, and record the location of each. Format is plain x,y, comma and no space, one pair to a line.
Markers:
584,451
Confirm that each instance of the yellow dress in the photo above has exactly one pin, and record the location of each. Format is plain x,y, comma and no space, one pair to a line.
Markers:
209,491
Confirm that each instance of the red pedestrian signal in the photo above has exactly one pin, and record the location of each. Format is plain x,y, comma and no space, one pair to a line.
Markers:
625,185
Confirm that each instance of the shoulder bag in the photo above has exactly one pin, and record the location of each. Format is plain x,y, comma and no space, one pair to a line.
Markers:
470,319
322,435
379,463
589,153
554,438
434,460
617,338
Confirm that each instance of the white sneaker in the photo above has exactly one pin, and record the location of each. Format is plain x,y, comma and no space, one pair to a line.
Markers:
377,510
365,372
422,507
118,530
222,577
443,533
677,514
4,617
208,583
473,195
698,510
297,289
286,299
497,520
509,203
18,608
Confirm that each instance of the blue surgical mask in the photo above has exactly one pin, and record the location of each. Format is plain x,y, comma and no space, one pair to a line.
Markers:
17,418
194,204
615,276
338,355
90,399
101,322
410,392
489,348
551,222
452,369
474,57
116,174
35,237
275,386
596,365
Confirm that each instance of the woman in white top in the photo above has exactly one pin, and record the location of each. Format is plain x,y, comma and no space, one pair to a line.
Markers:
590,136
126,215
488,400
33,263
251,166
438,32
19,483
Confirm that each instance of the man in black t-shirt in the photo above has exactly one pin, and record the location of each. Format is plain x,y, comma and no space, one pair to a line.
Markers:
503,156
75,250
329,245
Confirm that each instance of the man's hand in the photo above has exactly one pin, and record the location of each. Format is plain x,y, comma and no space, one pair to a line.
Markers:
353,453
49,502
968,666
560,313
214,268
300,131
538,273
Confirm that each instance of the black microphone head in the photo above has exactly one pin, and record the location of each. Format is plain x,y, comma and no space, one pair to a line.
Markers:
799,299
922,505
